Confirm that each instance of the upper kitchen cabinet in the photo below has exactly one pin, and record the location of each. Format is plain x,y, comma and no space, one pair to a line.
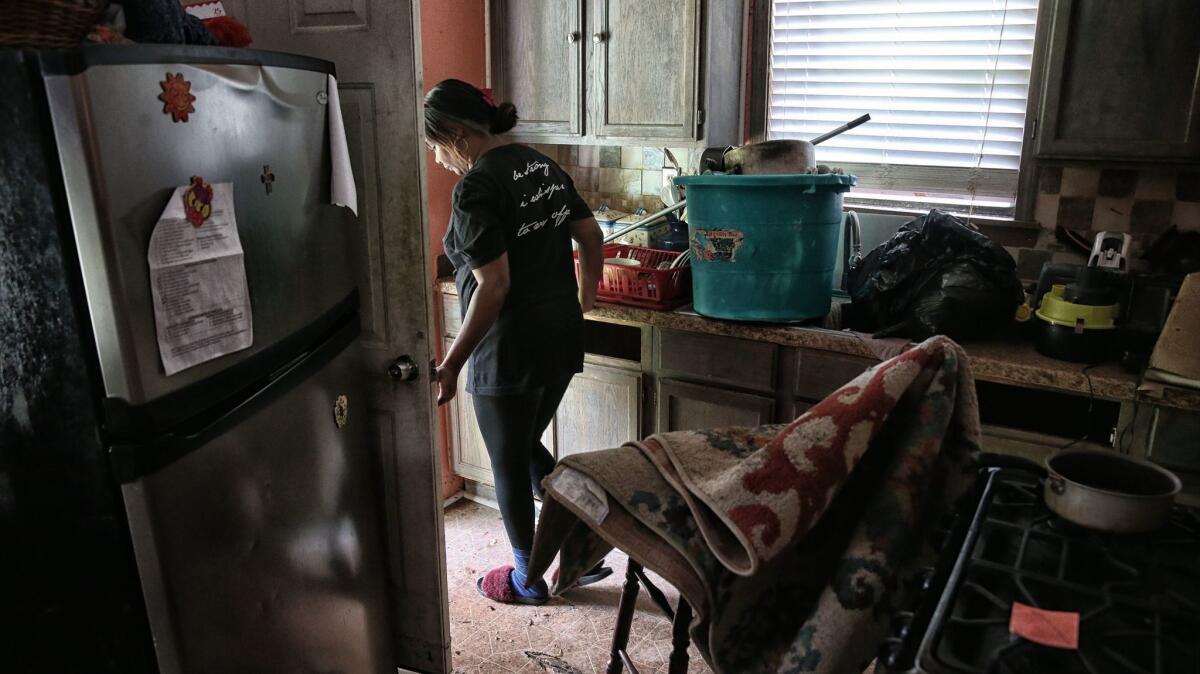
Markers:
1121,80
537,63
643,70
633,71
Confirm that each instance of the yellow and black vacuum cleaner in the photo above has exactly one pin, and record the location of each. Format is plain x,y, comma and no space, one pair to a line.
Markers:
1077,320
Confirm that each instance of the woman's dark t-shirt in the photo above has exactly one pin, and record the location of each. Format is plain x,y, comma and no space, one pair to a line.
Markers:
517,200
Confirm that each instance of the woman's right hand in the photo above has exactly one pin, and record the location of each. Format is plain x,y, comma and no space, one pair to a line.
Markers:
587,234
585,302
447,383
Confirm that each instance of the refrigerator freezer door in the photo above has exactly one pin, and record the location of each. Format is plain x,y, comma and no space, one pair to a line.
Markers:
262,128
260,549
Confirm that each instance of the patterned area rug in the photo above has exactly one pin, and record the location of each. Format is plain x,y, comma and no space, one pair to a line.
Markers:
792,543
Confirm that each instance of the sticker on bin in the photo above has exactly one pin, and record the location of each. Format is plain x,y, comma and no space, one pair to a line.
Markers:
717,245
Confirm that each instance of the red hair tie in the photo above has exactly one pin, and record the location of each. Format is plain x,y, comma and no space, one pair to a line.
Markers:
487,96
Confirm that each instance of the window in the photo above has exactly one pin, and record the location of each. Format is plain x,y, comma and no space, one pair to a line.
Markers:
945,83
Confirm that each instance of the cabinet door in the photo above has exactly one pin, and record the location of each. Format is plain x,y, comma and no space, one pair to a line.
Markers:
1121,80
601,409
467,450
684,407
537,63
818,373
451,315
644,75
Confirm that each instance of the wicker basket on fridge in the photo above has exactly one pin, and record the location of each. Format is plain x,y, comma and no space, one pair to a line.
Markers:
48,24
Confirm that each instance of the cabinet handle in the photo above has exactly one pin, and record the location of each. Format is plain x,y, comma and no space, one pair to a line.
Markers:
599,37
573,37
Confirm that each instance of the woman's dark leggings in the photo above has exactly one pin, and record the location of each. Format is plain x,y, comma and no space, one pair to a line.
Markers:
512,427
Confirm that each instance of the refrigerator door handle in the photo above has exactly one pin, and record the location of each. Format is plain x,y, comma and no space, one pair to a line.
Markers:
133,461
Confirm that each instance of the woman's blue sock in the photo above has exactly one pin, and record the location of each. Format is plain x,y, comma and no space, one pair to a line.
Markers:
520,577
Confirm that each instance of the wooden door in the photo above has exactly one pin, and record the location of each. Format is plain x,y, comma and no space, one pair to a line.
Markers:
644,56
1122,80
375,46
685,407
537,63
601,409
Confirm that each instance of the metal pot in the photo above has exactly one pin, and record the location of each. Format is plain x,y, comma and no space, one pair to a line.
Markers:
775,156
772,157
1109,491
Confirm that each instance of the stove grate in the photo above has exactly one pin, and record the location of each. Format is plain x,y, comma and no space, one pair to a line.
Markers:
1138,596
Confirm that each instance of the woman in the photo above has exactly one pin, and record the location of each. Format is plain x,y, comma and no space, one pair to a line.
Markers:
515,213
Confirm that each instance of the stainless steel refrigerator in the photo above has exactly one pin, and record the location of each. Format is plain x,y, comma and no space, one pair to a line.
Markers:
222,518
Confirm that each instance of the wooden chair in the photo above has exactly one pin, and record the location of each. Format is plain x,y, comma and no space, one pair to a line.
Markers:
681,617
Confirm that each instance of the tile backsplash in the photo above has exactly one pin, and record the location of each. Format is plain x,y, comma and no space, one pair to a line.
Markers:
1089,198
625,178
1086,198
1118,200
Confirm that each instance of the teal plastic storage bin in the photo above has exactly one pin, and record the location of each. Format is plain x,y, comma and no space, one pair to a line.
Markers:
764,246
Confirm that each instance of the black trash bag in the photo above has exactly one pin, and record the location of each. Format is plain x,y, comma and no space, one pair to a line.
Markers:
936,276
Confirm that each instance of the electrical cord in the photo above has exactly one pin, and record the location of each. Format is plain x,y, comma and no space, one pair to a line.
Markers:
1091,402
1121,446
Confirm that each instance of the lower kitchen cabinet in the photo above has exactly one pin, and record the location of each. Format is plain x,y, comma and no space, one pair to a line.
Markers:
683,406
704,381
818,373
468,454
467,451
601,409
718,360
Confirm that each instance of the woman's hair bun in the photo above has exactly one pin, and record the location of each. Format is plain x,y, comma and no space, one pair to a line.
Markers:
504,117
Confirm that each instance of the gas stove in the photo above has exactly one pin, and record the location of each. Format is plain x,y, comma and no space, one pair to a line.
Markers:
1138,597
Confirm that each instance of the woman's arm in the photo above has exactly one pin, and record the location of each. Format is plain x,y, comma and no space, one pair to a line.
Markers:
482,312
591,259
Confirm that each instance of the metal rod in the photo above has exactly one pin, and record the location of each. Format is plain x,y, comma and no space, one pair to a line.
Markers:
841,129
646,220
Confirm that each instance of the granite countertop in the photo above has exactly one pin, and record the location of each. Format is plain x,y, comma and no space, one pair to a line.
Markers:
1011,362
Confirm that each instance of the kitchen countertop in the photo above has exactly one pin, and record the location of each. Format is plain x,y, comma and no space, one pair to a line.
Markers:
1009,362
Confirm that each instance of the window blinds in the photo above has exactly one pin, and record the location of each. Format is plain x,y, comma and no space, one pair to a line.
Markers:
945,82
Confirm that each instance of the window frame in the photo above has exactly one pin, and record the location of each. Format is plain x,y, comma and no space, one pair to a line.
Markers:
758,108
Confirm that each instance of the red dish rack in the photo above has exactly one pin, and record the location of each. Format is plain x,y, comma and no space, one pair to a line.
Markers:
645,285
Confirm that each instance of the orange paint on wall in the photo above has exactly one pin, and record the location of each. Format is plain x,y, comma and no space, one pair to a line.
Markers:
453,45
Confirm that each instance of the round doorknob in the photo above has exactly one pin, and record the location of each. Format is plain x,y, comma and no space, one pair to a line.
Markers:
404,368
599,37
573,37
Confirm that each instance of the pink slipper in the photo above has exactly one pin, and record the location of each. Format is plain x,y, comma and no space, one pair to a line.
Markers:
497,586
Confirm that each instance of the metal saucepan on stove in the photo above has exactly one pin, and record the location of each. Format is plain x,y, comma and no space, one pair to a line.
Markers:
1109,492
777,156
